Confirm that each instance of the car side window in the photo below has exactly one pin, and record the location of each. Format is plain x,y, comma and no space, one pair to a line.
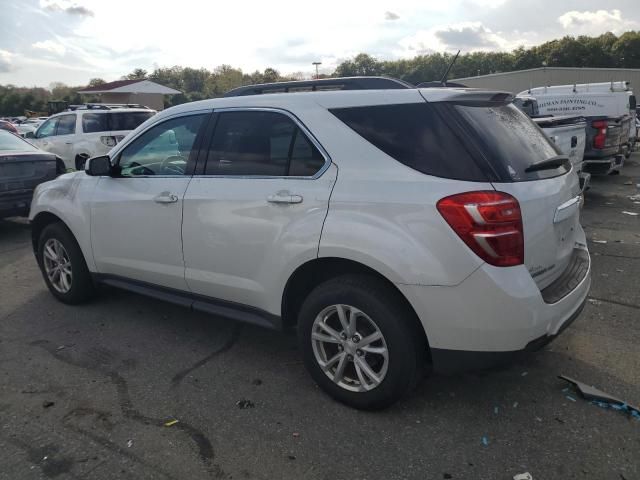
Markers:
261,143
94,122
66,125
164,149
47,129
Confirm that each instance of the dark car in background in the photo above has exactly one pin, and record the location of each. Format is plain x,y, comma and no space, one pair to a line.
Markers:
22,168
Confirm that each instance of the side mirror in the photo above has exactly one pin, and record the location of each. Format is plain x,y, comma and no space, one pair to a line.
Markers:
30,135
98,166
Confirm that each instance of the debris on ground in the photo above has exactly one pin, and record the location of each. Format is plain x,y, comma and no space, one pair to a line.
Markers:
633,214
485,441
170,423
447,475
602,399
257,381
129,443
628,183
291,457
569,397
48,403
635,198
515,404
593,301
295,434
496,410
599,241
523,476
524,374
244,404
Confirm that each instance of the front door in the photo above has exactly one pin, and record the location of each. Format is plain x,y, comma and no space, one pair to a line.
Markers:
258,210
136,216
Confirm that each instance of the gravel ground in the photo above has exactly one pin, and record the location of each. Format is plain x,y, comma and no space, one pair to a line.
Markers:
86,392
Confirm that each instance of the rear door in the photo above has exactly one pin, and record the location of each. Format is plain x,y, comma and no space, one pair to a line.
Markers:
549,197
256,211
64,138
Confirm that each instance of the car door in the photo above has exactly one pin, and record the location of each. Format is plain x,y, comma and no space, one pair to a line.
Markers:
45,133
136,214
61,143
256,212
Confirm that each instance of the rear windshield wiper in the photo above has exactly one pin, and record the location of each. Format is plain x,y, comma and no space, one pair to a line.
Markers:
548,164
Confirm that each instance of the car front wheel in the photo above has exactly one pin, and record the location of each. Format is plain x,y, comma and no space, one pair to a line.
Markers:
62,264
359,342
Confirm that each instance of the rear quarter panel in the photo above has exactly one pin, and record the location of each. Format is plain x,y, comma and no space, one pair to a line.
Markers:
383,214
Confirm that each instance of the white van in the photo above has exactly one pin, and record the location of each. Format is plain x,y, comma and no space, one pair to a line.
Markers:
614,99
610,111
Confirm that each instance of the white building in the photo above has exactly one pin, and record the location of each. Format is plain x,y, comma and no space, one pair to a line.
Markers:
143,92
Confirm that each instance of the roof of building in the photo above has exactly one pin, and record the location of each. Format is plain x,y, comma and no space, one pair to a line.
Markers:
130,86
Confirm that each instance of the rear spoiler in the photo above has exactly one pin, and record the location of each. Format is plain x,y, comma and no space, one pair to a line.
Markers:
478,97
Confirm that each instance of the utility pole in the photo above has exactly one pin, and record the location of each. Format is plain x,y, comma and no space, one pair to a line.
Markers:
316,64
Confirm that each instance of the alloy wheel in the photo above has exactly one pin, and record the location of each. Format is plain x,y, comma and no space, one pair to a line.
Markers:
57,265
349,348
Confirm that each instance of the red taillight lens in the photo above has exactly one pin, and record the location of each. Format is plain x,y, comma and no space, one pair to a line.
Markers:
601,137
490,223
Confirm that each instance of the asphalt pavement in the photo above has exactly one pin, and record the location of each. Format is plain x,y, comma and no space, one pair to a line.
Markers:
130,387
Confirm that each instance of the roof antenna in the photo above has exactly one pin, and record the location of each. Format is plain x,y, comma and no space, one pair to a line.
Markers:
443,80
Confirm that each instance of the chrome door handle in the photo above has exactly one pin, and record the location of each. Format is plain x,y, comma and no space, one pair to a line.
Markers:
166,198
284,197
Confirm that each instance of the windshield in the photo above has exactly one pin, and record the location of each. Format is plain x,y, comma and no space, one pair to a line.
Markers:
11,142
510,141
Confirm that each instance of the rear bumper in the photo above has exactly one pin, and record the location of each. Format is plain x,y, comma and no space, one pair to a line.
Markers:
16,204
491,317
603,166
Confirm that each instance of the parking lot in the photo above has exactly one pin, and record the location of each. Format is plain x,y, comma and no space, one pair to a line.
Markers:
95,391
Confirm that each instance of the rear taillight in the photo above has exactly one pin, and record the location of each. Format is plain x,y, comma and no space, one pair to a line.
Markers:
109,141
601,136
490,223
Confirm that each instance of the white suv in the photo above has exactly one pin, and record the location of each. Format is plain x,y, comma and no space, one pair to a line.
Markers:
394,228
77,135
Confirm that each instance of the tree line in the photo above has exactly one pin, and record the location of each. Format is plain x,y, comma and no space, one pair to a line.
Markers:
604,51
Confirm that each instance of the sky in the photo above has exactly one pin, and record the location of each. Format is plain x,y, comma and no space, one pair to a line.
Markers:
45,41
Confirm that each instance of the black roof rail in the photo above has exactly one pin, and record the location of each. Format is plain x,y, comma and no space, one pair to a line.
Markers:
105,106
340,83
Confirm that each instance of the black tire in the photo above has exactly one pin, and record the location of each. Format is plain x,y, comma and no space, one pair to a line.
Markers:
82,288
405,342
80,161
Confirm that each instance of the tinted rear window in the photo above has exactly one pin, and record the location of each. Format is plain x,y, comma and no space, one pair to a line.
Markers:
113,121
509,141
94,122
11,142
414,134
128,120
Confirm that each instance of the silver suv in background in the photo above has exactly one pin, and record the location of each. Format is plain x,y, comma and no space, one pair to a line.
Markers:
88,131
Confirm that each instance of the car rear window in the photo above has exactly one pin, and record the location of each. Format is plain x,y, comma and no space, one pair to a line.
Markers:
415,135
11,142
113,121
128,120
509,141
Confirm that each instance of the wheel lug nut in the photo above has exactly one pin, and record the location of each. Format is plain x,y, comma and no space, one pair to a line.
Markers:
340,348
350,358
359,353
355,339
343,336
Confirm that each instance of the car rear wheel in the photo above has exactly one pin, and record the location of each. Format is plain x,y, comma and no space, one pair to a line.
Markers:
359,342
63,267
